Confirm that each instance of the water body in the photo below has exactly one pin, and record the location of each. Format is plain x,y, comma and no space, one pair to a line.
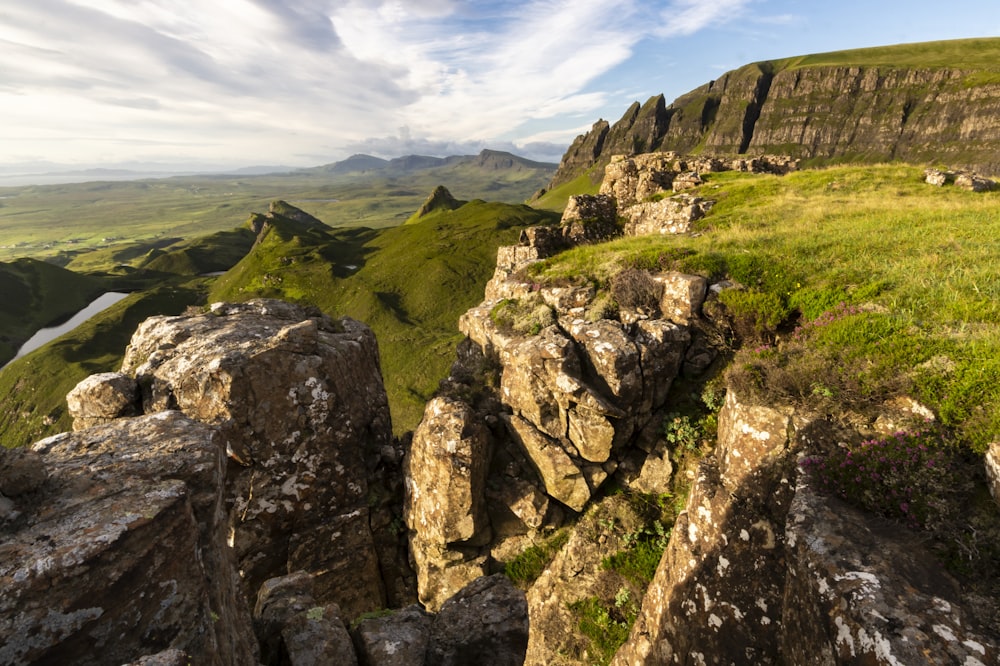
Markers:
46,335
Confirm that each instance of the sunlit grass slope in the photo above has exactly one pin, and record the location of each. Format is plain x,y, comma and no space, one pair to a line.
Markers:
917,268
409,283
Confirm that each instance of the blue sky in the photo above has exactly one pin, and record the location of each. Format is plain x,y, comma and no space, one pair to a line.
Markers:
187,84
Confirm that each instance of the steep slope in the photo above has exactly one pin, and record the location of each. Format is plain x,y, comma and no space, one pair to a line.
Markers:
936,102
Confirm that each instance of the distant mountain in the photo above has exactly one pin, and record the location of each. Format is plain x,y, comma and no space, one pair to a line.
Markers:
487,159
353,164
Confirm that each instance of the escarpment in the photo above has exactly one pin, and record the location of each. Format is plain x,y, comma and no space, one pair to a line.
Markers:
818,112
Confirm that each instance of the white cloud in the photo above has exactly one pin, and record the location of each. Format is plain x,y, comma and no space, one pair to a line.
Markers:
266,80
686,17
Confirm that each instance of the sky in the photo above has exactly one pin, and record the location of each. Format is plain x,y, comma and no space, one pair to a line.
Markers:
223,84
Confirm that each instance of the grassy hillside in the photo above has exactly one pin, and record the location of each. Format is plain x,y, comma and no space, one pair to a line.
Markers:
33,388
409,283
892,281
36,294
972,54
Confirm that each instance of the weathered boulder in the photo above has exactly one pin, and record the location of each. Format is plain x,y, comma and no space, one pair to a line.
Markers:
672,215
123,551
446,473
562,477
974,182
298,401
589,219
859,590
682,296
396,639
686,181
750,438
485,623
101,398
293,629
937,177
318,637
278,600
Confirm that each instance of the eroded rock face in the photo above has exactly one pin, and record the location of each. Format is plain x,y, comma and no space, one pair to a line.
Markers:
397,639
634,179
298,401
446,470
672,215
574,575
123,550
859,590
590,219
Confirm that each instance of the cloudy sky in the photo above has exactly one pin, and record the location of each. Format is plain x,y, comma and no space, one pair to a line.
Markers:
228,83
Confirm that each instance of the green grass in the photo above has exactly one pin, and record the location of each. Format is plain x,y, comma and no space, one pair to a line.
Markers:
524,569
556,198
35,295
967,54
33,388
925,258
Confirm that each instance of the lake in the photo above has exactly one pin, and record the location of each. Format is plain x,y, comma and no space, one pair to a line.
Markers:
49,334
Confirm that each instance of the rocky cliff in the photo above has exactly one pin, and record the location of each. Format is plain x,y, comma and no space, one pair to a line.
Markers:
822,113
236,447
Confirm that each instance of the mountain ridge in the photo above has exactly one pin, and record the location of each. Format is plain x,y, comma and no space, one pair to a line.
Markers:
925,103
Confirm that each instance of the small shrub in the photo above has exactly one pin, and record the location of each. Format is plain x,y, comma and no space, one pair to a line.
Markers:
910,477
756,314
634,288
680,431
522,317
606,627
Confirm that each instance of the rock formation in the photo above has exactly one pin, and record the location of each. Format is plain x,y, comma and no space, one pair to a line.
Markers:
873,113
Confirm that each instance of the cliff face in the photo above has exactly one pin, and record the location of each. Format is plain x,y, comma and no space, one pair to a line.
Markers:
821,113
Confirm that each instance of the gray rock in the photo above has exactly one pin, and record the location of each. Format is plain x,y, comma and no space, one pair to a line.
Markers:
318,637
21,471
101,398
398,639
485,623
125,550
299,402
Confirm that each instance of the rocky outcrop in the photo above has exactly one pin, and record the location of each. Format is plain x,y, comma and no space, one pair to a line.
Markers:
445,505
672,215
760,568
439,199
865,113
122,550
589,219
298,402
